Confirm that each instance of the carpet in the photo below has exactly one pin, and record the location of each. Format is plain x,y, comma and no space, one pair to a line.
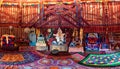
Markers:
102,60
18,58
77,57
12,58
34,61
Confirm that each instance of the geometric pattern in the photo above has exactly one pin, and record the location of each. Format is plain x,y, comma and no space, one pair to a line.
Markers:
65,62
18,58
54,67
12,58
67,67
103,60
46,63
77,57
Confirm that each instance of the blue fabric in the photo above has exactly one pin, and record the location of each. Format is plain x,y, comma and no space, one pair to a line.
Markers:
105,46
32,43
54,43
27,67
32,37
67,68
72,44
29,57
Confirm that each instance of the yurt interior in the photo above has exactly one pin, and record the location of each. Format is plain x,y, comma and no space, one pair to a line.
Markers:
59,34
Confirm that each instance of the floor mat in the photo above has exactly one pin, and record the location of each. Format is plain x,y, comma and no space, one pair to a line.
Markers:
102,60
12,58
18,58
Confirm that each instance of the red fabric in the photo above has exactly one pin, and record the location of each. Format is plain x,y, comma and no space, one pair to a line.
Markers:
92,40
50,40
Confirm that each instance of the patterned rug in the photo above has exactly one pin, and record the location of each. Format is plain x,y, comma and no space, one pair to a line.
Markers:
77,57
102,60
13,58
38,60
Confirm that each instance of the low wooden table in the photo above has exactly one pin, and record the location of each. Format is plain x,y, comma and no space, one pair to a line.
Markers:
27,48
22,43
59,48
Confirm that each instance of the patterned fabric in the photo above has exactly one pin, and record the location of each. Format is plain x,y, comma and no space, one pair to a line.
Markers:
103,60
54,67
25,57
37,64
32,38
77,57
66,67
92,42
12,58
7,40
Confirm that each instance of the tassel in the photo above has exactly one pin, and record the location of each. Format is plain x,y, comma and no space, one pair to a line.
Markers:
37,32
76,33
81,34
73,33
1,41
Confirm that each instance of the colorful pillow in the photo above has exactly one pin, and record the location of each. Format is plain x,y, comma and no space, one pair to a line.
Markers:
7,40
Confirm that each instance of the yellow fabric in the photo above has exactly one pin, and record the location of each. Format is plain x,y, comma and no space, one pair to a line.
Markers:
81,33
12,57
1,41
1,1
6,35
73,33
76,33
37,32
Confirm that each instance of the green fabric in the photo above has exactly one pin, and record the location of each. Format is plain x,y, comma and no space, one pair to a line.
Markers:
102,60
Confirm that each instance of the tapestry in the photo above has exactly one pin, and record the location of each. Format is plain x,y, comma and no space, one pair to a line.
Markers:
12,58
92,42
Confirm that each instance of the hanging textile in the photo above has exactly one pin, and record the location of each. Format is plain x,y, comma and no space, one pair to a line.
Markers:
76,33
1,1
107,36
37,32
73,33
81,34
32,38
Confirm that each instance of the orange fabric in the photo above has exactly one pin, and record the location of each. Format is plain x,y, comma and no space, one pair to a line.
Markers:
1,1
55,0
12,58
54,67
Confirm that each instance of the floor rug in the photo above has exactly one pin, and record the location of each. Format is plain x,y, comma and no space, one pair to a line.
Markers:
13,58
102,60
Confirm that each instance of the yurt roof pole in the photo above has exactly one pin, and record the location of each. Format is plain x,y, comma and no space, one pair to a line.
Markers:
39,10
78,17
59,13
21,17
106,21
42,12
78,14
76,10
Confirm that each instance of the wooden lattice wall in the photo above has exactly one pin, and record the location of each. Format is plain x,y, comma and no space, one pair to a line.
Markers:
96,14
18,32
